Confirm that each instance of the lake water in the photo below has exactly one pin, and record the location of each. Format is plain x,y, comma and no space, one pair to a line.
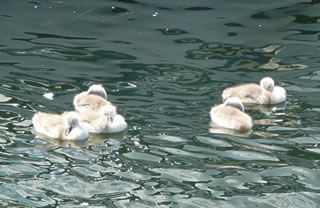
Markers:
164,64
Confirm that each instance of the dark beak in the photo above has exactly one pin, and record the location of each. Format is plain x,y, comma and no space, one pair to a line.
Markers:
68,130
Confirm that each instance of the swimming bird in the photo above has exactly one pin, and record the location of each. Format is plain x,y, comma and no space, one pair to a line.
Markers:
265,93
105,120
65,126
231,115
93,99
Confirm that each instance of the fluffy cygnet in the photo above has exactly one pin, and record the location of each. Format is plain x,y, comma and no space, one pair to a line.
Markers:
65,126
93,99
105,120
231,115
265,93
97,89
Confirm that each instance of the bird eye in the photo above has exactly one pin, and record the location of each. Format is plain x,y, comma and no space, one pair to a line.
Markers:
110,118
74,123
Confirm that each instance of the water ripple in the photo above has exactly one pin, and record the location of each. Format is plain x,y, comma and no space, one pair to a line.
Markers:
236,55
69,54
142,156
164,71
180,175
247,155
198,8
172,31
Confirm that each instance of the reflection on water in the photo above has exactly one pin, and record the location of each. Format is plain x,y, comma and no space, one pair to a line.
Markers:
164,64
214,129
94,139
68,54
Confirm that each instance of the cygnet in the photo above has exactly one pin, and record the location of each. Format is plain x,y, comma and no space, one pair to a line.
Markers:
65,126
93,99
105,120
265,93
231,115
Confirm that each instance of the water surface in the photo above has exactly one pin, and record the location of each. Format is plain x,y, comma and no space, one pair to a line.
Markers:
164,64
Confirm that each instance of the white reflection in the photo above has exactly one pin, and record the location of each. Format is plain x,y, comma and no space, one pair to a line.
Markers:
93,139
214,129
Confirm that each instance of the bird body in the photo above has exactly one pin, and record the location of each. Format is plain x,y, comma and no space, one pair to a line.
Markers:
231,115
65,126
93,99
94,114
86,102
265,93
106,120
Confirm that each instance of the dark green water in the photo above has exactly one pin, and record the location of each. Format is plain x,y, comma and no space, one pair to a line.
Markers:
164,64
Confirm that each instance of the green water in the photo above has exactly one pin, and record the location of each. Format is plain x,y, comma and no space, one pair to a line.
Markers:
164,64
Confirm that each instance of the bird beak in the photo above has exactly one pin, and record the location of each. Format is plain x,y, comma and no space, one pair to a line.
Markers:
68,130
110,119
